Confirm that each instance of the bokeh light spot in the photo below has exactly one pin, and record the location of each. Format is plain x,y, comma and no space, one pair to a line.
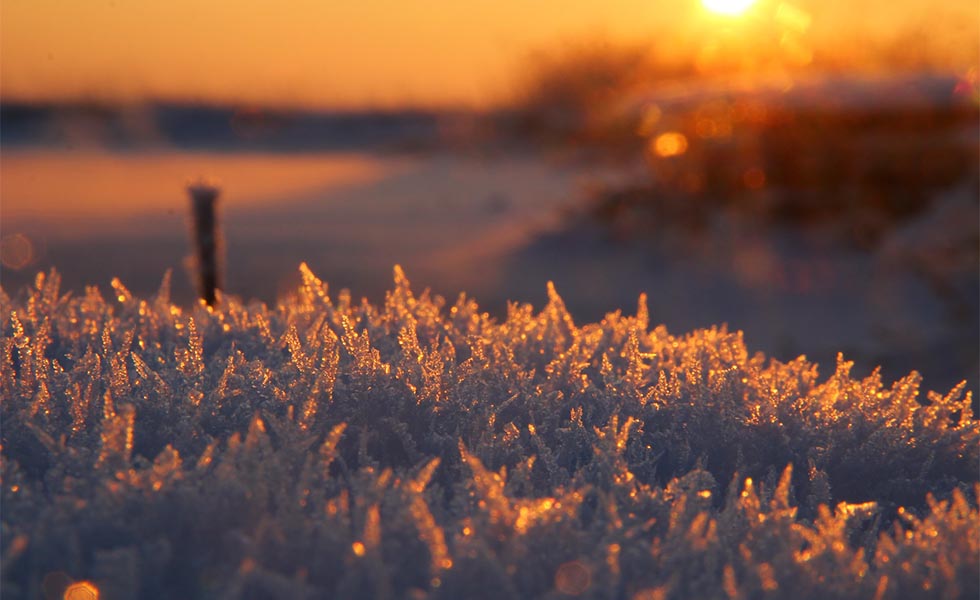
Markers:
754,178
16,251
658,593
649,120
82,590
572,578
670,144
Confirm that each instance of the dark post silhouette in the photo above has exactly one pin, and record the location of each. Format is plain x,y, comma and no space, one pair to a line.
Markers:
203,199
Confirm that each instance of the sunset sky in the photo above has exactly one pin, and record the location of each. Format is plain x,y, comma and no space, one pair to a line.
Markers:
376,52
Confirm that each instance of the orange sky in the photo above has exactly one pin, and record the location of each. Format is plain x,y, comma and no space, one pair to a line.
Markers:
350,52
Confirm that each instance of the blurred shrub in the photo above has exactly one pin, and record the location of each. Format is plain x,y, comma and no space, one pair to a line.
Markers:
579,94
856,148
583,91
326,448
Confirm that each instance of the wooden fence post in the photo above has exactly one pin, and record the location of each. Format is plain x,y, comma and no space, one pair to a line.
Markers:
204,196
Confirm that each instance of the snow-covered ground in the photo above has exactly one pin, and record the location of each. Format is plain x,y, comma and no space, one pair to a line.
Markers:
495,229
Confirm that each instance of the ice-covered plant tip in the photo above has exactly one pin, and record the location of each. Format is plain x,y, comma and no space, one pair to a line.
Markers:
332,449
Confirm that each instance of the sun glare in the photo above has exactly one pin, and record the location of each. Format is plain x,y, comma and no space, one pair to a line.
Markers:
728,7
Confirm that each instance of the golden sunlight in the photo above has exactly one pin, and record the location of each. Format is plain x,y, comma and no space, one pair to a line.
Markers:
728,7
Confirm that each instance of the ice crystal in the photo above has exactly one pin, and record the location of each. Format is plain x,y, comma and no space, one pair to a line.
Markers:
417,449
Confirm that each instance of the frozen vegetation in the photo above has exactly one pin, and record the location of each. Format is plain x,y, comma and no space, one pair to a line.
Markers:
326,448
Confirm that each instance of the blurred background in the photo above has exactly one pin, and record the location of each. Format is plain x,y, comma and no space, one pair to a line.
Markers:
804,171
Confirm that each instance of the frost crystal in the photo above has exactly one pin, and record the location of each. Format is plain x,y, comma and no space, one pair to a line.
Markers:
324,448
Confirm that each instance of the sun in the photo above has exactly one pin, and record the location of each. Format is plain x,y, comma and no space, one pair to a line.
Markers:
728,7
